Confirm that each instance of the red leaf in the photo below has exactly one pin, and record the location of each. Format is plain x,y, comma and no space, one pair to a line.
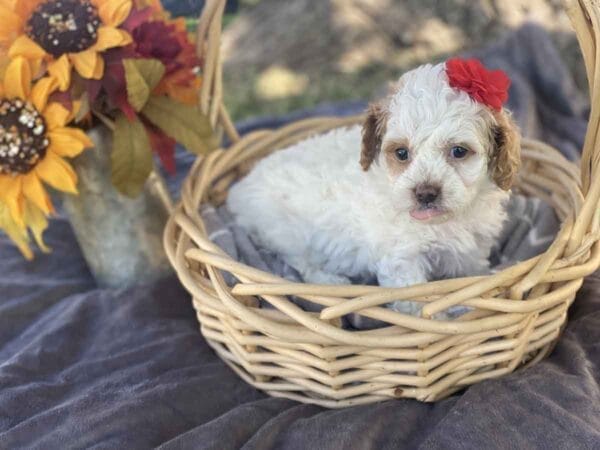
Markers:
136,18
158,40
116,88
93,88
64,98
163,146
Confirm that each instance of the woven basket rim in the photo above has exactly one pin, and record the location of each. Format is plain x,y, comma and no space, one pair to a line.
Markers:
381,295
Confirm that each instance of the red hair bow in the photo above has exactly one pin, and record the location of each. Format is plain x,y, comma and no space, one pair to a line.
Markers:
489,87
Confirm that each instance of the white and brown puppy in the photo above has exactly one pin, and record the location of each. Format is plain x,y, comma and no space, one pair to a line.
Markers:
421,198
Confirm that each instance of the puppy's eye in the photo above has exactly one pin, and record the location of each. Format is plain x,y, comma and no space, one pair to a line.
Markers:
459,152
402,154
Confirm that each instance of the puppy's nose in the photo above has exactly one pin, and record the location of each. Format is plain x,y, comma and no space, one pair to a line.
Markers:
427,193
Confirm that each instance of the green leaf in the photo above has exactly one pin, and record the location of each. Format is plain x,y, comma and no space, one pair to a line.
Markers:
184,123
84,108
131,156
152,70
142,76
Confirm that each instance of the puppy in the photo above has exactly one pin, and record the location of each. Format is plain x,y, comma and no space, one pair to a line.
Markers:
418,195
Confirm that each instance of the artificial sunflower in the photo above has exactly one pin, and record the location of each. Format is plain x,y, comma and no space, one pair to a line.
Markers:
64,33
34,139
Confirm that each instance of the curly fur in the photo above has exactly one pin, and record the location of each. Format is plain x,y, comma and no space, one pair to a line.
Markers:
505,160
332,218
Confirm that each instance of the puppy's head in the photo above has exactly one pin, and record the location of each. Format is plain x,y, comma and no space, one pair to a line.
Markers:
439,148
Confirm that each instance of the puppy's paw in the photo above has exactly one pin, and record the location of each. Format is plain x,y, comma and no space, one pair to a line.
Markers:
406,307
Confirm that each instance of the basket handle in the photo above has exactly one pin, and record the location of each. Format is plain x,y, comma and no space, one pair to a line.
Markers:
208,47
585,17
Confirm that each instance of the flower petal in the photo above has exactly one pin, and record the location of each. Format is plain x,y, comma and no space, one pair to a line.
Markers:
24,46
57,173
41,91
99,68
86,63
12,194
17,233
35,192
69,142
10,23
24,8
109,37
37,222
17,79
77,105
5,184
56,116
60,69
37,67
488,87
114,12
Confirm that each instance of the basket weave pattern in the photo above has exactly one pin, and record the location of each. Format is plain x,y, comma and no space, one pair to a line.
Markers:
517,314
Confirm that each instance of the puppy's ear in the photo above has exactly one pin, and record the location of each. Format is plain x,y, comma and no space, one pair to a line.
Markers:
372,134
505,159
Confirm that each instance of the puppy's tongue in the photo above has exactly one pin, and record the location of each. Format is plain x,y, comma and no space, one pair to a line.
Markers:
425,214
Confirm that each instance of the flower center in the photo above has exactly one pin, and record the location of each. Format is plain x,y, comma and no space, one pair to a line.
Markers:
23,140
64,26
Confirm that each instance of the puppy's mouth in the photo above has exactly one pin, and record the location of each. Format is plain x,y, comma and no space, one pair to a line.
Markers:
429,213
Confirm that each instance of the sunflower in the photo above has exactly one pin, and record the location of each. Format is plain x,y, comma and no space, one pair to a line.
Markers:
64,34
34,140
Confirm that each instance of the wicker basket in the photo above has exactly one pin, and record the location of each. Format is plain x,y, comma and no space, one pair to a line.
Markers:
288,352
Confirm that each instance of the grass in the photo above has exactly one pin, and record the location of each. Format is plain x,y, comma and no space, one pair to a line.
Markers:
242,100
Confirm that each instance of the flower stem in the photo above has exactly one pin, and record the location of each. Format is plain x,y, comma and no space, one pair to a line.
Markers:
158,185
107,121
